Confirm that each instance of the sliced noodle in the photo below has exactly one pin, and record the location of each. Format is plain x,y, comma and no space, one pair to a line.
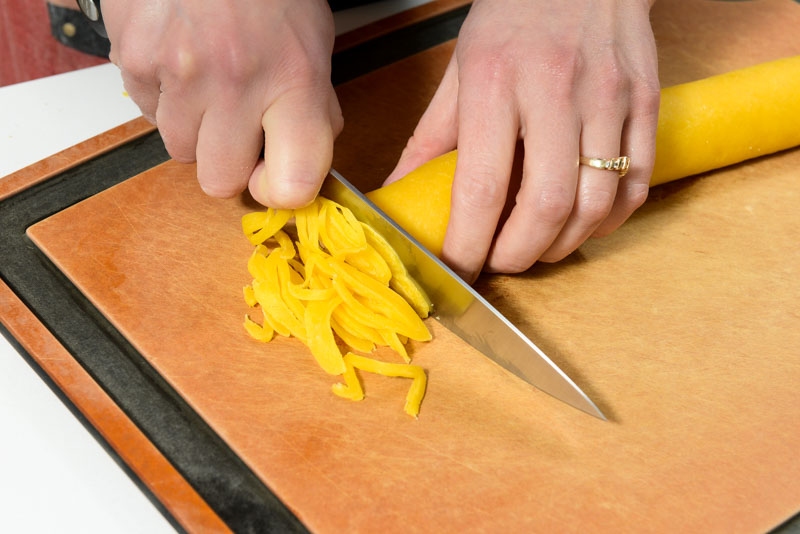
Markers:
340,284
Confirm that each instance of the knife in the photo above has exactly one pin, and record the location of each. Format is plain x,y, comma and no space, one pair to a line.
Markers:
460,308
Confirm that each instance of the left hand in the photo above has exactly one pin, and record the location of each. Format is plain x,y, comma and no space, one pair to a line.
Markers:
568,79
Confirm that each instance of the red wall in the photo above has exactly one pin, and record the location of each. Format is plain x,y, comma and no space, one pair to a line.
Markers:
27,50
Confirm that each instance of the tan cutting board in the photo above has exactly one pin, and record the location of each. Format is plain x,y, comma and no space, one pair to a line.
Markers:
683,326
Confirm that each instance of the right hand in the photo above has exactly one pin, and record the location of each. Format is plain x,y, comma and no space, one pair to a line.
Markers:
221,81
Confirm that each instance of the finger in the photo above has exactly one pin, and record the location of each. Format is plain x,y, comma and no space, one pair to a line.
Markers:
639,142
145,94
134,60
596,188
547,192
228,146
488,128
437,130
185,95
179,119
299,130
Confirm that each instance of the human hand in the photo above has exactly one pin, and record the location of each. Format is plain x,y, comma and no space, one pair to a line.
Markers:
223,81
568,79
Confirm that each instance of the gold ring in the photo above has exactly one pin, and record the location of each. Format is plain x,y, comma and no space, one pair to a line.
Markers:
620,164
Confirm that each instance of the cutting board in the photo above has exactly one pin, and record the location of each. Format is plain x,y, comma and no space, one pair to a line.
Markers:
682,326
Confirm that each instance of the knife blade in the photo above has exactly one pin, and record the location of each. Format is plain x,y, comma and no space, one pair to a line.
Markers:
459,307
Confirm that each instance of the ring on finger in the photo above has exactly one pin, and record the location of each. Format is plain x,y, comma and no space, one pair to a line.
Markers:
620,164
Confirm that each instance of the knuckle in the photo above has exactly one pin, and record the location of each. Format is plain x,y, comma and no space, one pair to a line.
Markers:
479,189
417,143
553,205
562,64
462,258
180,63
295,67
648,91
636,195
239,64
647,98
132,60
594,207
420,144
611,88
611,84
492,65
633,197
496,64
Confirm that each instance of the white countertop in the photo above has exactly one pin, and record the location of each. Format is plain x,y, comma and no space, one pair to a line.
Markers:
54,475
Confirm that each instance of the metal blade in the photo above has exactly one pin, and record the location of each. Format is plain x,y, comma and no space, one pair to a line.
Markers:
459,307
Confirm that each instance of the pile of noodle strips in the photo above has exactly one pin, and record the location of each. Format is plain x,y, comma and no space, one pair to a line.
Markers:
339,283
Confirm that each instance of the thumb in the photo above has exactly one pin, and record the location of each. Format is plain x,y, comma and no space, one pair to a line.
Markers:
437,130
300,127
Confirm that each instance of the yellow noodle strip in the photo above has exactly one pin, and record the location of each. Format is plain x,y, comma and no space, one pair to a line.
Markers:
320,335
276,326
286,247
399,279
391,339
351,389
417,390
249,296
269,294
260,226
358,311
256,267
298,267
302,293
384,301
345,318
339,232
315,258
306,221
370,262
257,331
357,342
286,278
